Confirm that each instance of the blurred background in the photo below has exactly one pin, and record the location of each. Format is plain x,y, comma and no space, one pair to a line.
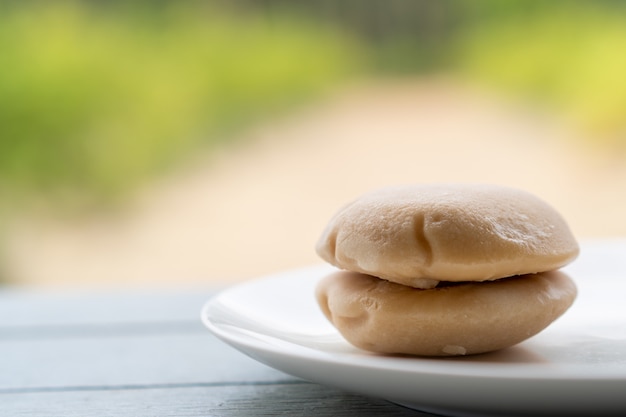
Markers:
159,143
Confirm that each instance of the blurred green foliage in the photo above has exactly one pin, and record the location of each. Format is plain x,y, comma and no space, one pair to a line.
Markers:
95,98
568,55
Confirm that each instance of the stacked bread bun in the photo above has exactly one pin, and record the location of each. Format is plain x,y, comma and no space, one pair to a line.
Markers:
445,269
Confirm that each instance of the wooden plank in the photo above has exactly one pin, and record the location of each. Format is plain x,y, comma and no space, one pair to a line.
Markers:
100,330
288,399
36,309
126,360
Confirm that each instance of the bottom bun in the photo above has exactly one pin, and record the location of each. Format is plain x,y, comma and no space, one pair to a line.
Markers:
457,319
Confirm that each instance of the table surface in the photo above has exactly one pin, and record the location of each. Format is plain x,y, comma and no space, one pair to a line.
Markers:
148,354
143,354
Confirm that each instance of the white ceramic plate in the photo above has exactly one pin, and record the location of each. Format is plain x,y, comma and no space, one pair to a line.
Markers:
575,367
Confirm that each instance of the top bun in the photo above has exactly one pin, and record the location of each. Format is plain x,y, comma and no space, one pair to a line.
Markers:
419,235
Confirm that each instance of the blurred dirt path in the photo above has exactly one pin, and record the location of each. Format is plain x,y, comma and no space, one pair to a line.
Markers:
259,207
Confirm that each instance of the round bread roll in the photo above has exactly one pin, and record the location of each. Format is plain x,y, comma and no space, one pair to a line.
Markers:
422,234
455,319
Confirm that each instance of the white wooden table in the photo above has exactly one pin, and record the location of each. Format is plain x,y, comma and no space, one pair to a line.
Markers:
147,354
141,354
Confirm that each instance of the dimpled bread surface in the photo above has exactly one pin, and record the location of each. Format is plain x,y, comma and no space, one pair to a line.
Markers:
418,235
458,319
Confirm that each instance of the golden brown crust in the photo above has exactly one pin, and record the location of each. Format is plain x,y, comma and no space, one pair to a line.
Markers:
457,319
418,235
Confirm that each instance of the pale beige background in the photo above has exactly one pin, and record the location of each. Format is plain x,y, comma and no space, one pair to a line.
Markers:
258,207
